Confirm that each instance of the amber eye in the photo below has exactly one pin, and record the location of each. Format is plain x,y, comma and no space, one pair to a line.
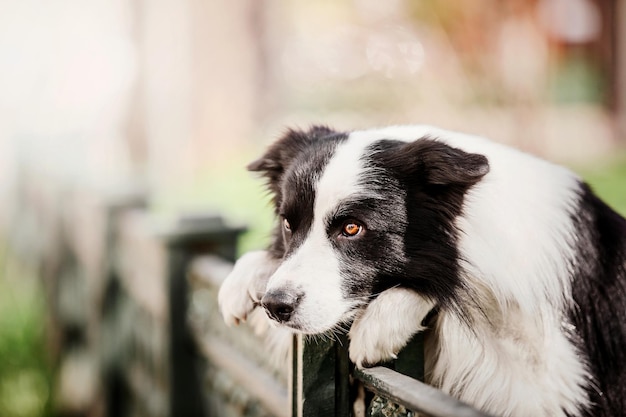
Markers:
351,229
286,225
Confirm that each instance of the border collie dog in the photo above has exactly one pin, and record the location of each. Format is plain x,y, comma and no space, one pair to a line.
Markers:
514,269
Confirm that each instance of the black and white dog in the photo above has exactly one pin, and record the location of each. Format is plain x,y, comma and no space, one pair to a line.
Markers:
518,267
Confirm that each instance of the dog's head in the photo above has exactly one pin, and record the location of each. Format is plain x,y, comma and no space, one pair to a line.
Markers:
359,214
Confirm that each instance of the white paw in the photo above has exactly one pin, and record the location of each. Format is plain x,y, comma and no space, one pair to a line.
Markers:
245,285
386,326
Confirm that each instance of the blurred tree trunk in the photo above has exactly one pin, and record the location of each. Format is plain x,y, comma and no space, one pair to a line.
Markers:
202,74
136,139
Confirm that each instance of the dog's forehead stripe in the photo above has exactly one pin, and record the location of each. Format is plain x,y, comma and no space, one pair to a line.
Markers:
341,177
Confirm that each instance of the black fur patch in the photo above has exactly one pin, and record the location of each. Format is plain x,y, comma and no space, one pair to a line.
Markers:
435,177
291,166
599,292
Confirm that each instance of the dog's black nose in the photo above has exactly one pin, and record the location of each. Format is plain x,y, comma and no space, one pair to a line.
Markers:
280,305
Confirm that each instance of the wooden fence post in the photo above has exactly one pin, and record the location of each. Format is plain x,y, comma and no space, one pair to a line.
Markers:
192,236
115,391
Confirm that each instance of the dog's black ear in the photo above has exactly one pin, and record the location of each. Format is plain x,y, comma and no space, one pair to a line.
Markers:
283,151
440,164
279,153
444,165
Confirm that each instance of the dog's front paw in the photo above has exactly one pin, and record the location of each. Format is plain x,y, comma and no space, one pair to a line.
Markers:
243,288
386,326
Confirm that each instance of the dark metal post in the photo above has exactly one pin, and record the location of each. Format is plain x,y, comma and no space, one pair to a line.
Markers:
321,374
320,378
192,236
410,360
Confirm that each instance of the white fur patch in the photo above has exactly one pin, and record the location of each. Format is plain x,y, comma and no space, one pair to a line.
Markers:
386,325
313,270
242,289
520,368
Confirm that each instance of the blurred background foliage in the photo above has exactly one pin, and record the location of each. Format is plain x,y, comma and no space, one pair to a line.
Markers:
608,180
25,373
179,96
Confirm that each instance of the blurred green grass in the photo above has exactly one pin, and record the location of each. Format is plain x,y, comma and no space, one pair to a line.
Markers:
25,373
228,189
608,179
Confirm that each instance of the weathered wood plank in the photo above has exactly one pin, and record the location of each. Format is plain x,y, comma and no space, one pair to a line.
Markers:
252,378
413,394
210,270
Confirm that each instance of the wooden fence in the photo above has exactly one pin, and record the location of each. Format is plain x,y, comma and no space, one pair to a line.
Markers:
133,310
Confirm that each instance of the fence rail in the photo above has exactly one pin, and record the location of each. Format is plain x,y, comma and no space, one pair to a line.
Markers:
413,394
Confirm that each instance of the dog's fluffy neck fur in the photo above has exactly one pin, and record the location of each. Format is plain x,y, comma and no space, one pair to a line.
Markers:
505,368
